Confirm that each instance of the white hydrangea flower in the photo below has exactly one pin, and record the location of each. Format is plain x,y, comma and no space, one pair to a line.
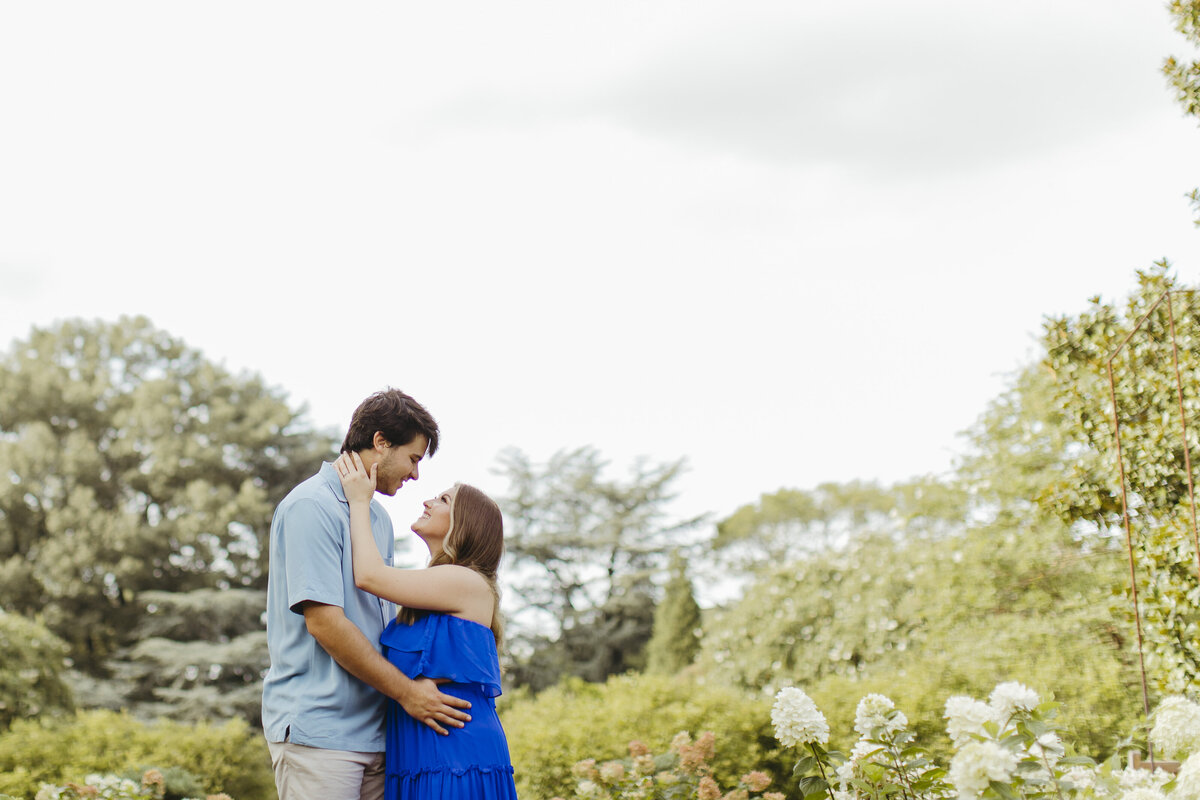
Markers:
1011,696
1130,779
978,763
1144,793
797,719
588,788
872,713
966,716
1187,782
1081,777
1176,730
843,775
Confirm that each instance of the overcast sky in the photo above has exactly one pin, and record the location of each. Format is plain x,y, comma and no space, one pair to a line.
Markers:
793,242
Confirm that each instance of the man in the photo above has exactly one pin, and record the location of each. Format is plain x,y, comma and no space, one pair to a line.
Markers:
324,695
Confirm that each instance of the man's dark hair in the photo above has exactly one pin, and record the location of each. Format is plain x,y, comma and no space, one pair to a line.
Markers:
394,414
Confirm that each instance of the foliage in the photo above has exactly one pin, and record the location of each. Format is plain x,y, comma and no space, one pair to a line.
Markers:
585,549
682,772
791,524
831,613
887,614
915,576
230,757
32,669
676,640
199,655
886,760
1025,454
1099,694
1006,748
1156,490
151,784
134,465
574,721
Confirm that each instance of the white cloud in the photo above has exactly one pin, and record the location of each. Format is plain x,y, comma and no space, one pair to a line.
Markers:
884,88
794,242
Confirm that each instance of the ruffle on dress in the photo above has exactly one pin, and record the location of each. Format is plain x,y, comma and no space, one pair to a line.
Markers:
477,783
445,647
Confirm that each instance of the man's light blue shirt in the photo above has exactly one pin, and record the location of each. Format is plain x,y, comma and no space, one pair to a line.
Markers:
307,697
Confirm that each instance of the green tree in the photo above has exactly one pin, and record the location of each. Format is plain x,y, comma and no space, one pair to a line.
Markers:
936,587
196,656
1028,457
676,637
1156,489
833,608
794,523
585,549
921,619
32,671
135,465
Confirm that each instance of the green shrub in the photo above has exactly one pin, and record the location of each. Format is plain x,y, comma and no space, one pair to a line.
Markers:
32,664
230,757
175,782
681,773
1101,703
551,732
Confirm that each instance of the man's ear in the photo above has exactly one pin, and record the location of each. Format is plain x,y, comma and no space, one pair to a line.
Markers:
379,442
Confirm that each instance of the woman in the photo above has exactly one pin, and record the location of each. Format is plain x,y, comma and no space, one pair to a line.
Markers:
448,629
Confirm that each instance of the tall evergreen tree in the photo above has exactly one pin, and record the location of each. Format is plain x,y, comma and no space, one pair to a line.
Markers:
676,637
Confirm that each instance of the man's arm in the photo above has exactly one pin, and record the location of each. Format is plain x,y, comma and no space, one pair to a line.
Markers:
342,639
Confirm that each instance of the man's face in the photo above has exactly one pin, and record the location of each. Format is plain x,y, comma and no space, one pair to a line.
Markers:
398,463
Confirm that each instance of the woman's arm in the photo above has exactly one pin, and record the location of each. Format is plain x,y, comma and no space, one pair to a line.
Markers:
448,588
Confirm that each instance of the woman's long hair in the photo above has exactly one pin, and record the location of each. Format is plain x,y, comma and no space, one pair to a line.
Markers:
475,541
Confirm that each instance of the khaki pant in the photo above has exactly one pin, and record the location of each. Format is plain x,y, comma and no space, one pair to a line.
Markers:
313,773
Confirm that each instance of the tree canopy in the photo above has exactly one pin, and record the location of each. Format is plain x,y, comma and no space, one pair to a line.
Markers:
136,466
585,551
1156,483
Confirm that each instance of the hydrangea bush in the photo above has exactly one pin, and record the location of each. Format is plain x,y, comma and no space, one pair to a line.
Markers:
1007,747
683,772
152,786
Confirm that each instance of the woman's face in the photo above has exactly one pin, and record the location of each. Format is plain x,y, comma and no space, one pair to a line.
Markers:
434,522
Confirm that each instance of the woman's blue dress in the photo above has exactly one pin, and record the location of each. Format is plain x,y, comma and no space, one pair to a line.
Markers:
472,763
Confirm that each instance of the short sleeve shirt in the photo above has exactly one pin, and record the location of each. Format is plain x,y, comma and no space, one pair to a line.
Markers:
307,697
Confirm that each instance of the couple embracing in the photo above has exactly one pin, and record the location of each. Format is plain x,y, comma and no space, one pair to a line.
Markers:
361,701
